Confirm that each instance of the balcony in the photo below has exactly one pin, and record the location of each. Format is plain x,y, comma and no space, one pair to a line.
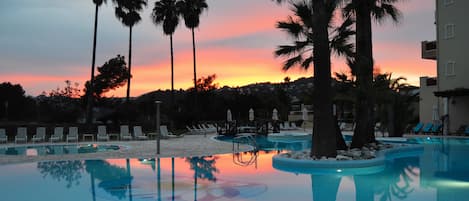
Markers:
429,50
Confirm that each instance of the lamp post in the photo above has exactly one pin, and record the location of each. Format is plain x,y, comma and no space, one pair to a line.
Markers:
158,126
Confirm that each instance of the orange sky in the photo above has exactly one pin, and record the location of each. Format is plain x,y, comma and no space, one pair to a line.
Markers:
234,41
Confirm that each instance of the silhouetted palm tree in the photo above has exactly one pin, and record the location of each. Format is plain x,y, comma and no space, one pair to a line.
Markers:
310,30
89,108
127,12
363,11
166,13
191,10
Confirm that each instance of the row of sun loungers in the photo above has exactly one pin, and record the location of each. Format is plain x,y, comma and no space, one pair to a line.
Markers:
202,129
73,136
429,128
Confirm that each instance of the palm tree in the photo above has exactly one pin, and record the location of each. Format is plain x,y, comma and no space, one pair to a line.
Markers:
191,10
166,13
127,12
363,11
310,30
89,108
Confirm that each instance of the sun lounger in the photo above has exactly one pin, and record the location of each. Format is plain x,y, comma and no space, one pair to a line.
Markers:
125,133
72,134
40,135
138,133
293,126
102,133
427,128
3,135
437,128
58,134
417,128
194,130
21,134
166,134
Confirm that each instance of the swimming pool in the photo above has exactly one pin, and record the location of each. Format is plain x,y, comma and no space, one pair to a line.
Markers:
42,150
437,172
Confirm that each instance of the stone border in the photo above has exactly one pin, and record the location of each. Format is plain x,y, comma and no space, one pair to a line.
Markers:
346,167
187,146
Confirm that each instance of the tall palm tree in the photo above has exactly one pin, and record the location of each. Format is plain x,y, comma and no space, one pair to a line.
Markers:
89,108
191,11
310,30
363,11
166,13
127,11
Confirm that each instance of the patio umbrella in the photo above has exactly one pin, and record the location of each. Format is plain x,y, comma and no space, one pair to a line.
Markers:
251,114
435,115
304,115
229,117
275,114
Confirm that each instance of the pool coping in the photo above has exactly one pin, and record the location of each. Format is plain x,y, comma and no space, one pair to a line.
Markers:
365,166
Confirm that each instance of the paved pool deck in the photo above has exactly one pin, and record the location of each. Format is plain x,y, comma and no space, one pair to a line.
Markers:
188,145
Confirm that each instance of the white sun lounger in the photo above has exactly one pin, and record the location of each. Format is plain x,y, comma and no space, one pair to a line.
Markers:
125,133
138,133
21,134
40,135
3,135
102,133
72,134
58,134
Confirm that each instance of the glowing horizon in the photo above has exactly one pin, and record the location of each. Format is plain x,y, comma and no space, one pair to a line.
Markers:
237,48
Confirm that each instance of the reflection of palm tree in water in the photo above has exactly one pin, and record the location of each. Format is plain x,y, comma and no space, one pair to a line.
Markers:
400,176
394,181
69,171
113,179
204,168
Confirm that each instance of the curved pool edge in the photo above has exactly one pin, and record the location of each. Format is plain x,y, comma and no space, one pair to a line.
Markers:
345,167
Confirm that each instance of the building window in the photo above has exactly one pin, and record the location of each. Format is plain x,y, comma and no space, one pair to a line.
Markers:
448,2
450,68
449,31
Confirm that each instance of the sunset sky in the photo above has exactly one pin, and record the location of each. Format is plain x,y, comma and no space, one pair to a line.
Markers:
45,42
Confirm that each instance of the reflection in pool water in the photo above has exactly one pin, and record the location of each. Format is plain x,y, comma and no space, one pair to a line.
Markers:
437,172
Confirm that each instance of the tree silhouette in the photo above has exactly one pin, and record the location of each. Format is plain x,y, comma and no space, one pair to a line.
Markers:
363,12
166,13
127,12
309,29
191,11
89,108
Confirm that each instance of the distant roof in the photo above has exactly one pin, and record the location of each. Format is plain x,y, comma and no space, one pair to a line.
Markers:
452,92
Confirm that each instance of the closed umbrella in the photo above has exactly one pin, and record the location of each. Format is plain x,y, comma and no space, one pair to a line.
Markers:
304,115
275,114
435,115
229,116
251,114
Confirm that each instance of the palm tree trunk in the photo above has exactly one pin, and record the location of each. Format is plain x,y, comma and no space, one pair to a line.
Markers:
364,130
172,68
324,139
130,65
89,108
193,52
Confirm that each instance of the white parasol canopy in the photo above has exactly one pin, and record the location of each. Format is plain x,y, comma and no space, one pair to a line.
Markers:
229,117
251,114
275,114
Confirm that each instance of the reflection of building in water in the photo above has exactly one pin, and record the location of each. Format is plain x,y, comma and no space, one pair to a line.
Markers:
445,168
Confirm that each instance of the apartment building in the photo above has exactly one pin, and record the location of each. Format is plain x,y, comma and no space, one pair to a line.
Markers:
448,93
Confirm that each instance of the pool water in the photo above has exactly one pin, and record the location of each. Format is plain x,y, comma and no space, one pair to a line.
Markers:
41,150
438,171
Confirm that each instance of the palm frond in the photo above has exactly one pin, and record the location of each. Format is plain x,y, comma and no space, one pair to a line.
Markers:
292,62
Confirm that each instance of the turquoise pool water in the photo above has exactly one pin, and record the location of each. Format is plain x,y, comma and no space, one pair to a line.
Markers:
41,150
438,171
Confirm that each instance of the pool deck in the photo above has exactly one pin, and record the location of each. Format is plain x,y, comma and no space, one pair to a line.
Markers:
189,145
